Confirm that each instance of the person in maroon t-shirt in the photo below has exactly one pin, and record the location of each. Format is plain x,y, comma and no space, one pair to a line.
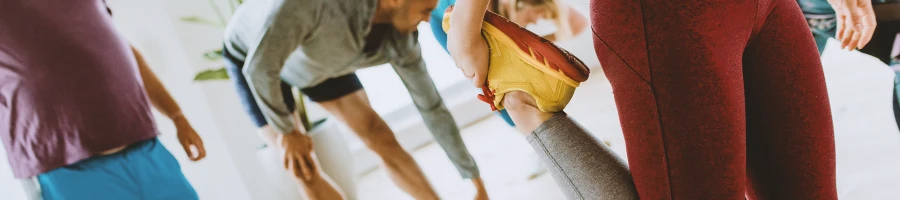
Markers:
74,112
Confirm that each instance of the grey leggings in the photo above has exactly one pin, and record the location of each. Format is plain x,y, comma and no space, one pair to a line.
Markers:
583,167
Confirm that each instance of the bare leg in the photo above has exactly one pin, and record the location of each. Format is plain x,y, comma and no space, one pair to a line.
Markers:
320,186
334,157
355,111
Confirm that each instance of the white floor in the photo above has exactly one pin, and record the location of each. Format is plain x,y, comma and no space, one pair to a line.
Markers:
868,142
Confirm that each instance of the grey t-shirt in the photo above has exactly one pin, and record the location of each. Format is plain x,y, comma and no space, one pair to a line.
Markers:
305,42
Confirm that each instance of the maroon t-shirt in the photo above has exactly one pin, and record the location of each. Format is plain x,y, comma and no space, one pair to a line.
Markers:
69,85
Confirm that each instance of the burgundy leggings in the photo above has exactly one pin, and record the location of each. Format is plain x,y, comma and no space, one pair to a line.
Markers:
718,99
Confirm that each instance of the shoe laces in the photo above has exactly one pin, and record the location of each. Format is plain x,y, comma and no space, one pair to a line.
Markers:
487,96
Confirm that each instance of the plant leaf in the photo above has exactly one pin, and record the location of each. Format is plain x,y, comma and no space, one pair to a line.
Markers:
213,55
317,123
203,21
212,74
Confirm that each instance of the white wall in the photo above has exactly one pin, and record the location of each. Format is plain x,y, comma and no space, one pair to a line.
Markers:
174,48
150,28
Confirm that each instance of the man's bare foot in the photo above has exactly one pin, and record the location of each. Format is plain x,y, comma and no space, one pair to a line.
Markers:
480,191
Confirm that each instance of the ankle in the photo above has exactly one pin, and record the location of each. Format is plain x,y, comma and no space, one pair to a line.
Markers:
524,112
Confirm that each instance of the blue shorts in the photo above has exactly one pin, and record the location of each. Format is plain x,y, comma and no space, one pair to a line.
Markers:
144,170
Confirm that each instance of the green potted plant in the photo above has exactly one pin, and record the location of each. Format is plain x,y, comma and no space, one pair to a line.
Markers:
217,73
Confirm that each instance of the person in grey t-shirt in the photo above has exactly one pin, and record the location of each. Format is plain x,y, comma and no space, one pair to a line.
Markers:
317,45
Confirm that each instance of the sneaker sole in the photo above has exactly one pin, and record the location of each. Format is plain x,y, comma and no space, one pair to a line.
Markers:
537,50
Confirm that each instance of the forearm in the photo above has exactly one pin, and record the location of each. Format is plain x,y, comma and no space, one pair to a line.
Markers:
159,96
467,22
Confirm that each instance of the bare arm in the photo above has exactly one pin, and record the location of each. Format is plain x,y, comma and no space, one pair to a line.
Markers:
159,96
465,43
468,22
165,104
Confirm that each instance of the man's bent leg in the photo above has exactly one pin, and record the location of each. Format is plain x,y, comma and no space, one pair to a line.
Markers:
319,187
344,98
355,111
334,157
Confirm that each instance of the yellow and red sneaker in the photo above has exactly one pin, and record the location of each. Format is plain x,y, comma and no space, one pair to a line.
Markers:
523,61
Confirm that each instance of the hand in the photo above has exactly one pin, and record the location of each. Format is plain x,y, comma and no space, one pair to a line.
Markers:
467,46
855,22
472,59
298,154
189,138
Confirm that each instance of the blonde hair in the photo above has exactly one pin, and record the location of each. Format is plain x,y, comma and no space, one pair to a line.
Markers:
558,14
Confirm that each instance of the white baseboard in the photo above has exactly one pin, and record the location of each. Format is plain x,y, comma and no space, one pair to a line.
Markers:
410,130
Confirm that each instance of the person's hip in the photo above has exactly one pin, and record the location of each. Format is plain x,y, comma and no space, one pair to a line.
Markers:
143,170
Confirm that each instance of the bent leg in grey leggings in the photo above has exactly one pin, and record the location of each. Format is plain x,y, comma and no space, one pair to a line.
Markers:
583,167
